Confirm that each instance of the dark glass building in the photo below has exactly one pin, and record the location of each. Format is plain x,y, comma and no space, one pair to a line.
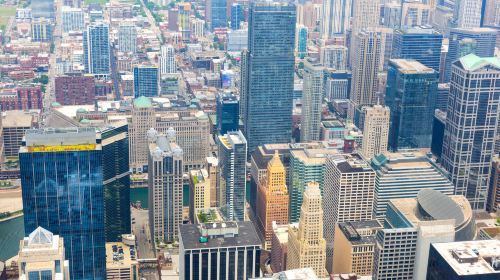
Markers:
236,16
411,96
146,81
438,126
115,153
420,43
62,186
228,113
269,68
218,13
96,51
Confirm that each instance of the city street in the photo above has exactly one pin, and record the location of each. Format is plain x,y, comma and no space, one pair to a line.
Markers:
140,227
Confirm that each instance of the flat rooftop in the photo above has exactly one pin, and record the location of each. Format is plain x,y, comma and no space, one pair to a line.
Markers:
19,118
410,66
119,255
351,163
470,257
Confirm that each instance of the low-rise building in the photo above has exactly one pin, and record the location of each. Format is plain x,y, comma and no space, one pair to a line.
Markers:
121,261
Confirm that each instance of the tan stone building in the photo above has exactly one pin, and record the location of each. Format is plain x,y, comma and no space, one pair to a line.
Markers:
306,245
199,191
376,130
272,200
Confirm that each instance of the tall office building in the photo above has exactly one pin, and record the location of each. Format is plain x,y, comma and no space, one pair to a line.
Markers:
268,79
411,96
376,130
41,30
334,57
41,256
415,13
143,118
403,175
312,101
96,49
485,45
229,250
422,44
62,184
471,123
348,195
237,16
335,19
115,153
301,41
168,64
306,245
146,81
272,200
72,19
365,14
468,13
337,85
218,13
165,186
127,38
228,113
367,54
232,174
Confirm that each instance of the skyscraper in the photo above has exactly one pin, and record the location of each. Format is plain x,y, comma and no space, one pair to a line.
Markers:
348,195
365,14
127,38
165,186
306,245
272,200
143,118
485,45
72,19
471,123
334,56
232,174
269,78
376,130
236,15
146,81
312,100
411,96
96,49
301,41
168,65
468,13
336,17
228,113
420,43
62,183
218,13
41,30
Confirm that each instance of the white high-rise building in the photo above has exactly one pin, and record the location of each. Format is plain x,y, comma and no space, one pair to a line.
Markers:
72,19
348,195
127,38
336,18
168,65
468,13
376,130
365,14
334,57
312,98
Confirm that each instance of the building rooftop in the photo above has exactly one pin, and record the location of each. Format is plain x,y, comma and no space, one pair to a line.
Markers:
411,66
246,235
120,255
61,137
142,102
232,138
351,163
471,257
472,62
294,274
19,118
403,160
355,231
281,232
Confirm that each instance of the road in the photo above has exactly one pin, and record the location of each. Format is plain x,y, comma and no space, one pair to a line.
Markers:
140,227
152,22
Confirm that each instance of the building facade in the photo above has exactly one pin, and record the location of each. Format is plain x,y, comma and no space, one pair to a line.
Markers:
75,90
312,101
376,130
96,50
228,113
72,19
168,64
335,19
146,81
127,38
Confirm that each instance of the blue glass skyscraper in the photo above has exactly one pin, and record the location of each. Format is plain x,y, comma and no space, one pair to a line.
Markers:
267,77
62,186
411,96
236,16
146,81
96,49
218,13
420,43
228,113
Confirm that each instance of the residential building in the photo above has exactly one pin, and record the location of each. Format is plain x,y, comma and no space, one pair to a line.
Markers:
472,260
199,191
403,175
22,97
232,174
279,247
335,19
411,97
468,13
75,89
15,123
376,130
165,162
96,49
72,19
348,195
267,74
312,101
168,64
272,201
228,113
471,124
41,30
121,260
229,250
41,256
127,38
421,43
306,245
146,81
355,244
68,163
237,15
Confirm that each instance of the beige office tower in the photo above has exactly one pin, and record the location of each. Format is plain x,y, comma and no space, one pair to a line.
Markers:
272,200
213,171
311,101
348,194
306,245
415,14
367,52
199,192
365,14
376,131
165,186
41,256
143,118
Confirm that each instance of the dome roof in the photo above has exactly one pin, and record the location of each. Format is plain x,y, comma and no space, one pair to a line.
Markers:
142,102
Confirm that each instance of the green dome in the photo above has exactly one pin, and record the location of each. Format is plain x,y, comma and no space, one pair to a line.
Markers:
142,102
84,121
81,110
56,104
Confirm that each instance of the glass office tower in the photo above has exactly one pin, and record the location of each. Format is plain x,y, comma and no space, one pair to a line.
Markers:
269,70
96,49
145,81
236,16
228,113
62,186
218,13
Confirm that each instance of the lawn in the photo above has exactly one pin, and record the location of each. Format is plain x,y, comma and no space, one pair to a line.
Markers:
96,1
5,13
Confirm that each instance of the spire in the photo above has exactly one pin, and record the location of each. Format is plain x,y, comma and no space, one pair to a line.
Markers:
275,161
